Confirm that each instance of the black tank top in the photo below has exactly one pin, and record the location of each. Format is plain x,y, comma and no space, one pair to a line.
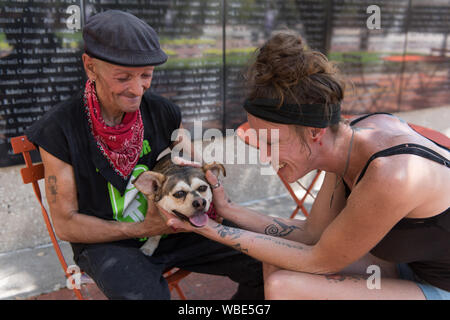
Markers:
423,243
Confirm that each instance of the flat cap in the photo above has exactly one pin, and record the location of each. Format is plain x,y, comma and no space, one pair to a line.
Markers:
121,38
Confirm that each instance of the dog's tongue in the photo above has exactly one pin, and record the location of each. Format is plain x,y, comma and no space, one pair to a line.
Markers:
199,219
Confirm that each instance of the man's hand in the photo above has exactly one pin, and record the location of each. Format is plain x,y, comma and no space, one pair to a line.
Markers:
154,222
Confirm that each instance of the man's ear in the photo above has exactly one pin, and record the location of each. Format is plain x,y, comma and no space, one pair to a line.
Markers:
215,168
150,183
89,66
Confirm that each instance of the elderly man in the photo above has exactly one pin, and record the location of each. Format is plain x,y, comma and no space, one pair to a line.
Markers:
92,144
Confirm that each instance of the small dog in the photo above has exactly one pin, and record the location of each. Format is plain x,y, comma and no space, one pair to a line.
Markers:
181,190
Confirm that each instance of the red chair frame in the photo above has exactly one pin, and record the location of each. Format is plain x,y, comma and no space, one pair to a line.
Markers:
436,136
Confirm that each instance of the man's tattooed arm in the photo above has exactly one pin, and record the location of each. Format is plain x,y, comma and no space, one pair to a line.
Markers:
52,188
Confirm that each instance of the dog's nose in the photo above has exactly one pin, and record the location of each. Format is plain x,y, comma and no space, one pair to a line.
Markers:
199,203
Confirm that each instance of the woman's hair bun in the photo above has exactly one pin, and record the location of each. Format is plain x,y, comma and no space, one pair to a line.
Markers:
285,69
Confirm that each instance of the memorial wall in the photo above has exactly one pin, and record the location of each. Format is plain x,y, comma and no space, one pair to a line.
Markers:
394,55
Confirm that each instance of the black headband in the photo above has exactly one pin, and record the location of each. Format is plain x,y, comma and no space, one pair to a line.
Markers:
309,115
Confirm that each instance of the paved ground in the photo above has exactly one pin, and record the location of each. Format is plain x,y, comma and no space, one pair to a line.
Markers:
195,287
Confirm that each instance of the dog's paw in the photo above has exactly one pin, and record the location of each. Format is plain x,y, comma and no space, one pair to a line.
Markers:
148,251
150,245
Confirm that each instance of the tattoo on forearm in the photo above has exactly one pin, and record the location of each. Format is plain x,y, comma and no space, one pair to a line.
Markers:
280,242
224,231
52,187
279,229
238,247
336,278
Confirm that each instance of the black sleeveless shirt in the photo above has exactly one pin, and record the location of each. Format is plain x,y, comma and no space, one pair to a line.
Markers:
422,243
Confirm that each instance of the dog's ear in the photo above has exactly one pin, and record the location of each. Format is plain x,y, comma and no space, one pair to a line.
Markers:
150,183
215,168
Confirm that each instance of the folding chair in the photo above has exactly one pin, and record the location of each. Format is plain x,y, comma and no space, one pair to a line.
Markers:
436,136
32,173
244,134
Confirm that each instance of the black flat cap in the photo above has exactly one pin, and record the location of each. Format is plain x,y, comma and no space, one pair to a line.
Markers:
121,38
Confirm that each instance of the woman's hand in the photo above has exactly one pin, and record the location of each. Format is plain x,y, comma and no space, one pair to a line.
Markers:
220,199
183,162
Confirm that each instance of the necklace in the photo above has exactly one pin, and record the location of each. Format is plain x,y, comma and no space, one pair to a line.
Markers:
347,162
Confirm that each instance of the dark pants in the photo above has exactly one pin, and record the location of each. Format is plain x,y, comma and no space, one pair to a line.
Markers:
122,271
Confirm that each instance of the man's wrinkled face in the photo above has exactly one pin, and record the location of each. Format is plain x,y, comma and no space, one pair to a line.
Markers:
119,88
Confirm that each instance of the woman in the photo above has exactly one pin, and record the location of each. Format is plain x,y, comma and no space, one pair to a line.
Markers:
384,201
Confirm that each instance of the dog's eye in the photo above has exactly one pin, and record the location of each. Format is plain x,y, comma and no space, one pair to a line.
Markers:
179,194
202,188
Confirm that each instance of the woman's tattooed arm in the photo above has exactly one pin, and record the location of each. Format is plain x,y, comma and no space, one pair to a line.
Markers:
224,231
284,253
280,229
235,233
284,243
238,247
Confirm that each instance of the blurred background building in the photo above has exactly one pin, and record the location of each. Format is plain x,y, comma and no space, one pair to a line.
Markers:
403,65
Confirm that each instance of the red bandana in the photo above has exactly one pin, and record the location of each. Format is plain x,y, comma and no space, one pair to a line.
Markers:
120,144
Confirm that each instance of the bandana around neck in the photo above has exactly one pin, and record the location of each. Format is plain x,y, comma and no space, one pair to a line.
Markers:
121,145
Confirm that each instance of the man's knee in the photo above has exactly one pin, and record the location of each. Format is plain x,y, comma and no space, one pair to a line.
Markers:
124,273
